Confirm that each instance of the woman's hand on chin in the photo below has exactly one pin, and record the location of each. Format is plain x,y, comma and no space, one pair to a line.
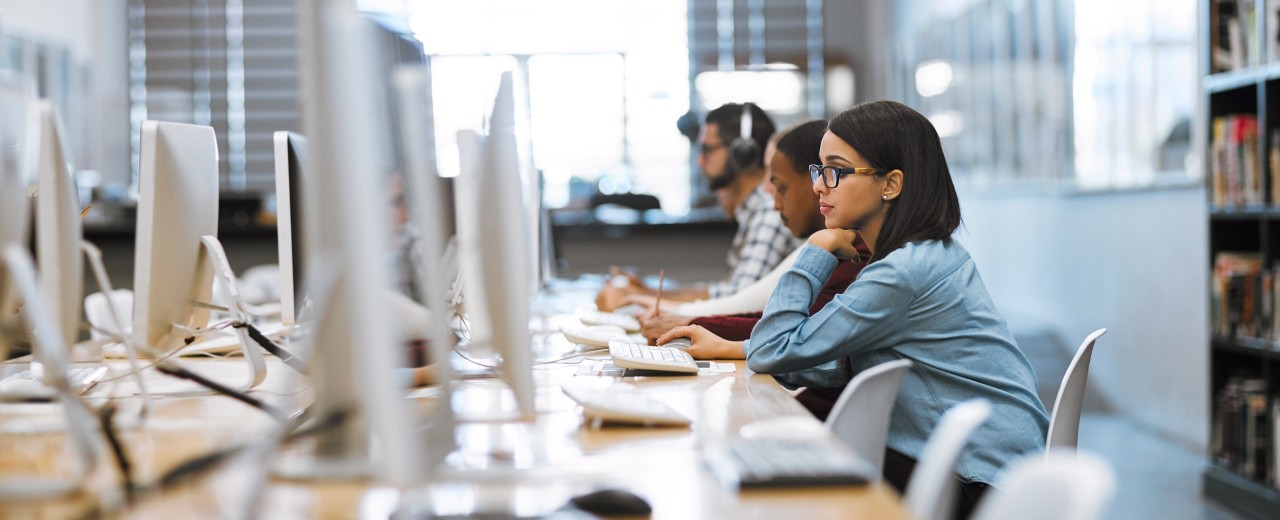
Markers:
838,242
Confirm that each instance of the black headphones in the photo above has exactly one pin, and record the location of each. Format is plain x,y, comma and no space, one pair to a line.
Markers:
744,152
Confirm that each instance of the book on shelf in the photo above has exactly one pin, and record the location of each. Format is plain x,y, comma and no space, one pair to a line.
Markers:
1275,441
1243,434
1242,296
1235,175
1273,159
1273,32
1233,34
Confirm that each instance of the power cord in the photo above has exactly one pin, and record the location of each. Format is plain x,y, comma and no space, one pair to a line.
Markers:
106,417
177,371
202,464
271,347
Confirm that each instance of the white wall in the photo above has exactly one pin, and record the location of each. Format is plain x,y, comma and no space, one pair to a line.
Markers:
56,22
95,31
1135,263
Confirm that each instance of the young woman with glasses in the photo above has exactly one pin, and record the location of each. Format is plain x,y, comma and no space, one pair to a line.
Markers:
884,178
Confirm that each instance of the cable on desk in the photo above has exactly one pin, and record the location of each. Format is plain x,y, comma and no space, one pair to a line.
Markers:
154,362
271,347
582,354
497,366
177,371
106,416
197,466
212,328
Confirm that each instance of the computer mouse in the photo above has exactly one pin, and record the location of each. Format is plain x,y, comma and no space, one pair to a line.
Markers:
611,502
25,390
680,343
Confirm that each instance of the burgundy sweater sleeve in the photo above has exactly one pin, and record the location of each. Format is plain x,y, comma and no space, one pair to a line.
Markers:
733,327
737,327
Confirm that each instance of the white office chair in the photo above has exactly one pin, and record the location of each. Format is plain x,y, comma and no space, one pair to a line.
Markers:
1064,423
931,492
860,416
1060,486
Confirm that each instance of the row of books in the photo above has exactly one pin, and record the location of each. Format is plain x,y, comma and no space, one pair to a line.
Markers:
1246,429
1233,38
1234,171
1242,297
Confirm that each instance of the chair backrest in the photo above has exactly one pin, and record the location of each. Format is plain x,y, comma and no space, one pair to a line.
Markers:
1064,423
931,492
860,416
1060,486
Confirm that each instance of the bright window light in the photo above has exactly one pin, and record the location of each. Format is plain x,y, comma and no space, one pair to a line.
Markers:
933,78
771,90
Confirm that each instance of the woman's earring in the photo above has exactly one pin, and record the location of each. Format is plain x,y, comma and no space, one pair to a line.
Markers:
884,197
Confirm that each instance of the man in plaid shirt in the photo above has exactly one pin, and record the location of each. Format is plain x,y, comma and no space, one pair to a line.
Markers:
759,244
730,155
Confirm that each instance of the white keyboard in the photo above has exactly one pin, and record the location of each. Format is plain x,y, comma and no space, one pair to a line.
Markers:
628,323
623,404
770,462
80,378
593,336
643,357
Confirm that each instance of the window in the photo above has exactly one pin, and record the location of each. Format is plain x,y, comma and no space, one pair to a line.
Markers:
604,94
1134,91
1087,93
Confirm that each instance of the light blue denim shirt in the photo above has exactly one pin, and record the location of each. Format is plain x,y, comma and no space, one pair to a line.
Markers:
924,302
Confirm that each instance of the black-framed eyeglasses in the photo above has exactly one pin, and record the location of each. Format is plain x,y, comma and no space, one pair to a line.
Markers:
706,149
831,174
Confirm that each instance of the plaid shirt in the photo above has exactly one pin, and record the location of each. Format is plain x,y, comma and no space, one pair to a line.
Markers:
760,243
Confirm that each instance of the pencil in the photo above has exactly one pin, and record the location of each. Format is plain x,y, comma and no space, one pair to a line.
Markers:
86,209
657,303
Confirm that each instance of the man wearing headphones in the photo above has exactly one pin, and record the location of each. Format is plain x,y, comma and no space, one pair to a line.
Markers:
731,156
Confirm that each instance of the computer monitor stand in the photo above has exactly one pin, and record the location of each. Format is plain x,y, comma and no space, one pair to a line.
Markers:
52,351
252,353
339,451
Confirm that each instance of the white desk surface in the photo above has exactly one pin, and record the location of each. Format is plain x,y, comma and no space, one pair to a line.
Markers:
523,468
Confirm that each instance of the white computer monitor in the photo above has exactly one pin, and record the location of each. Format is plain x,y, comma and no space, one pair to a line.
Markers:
16,174
290,154
177,205
177,251
58,229
495,248
346,232
16,161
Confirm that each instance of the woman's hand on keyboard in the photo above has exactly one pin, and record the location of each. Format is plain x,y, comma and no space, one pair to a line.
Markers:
653,327
704,344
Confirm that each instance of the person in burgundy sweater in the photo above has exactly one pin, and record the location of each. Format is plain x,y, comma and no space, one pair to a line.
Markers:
794,198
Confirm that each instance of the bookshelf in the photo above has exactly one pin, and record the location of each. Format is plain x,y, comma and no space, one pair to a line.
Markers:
1241,80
